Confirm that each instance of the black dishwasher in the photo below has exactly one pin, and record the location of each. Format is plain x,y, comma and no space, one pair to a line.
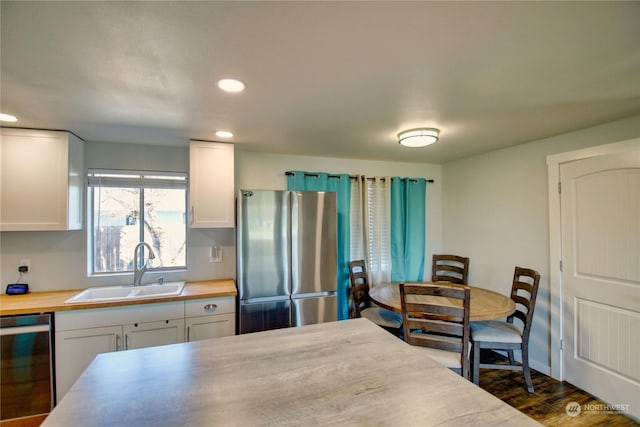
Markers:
26,376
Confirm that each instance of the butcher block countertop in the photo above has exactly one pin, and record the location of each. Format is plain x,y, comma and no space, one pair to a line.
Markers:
43,302
349,373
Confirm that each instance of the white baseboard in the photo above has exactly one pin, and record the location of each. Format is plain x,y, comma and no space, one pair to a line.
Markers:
540,367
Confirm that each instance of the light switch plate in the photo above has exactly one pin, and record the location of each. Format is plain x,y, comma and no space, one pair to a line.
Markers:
215,254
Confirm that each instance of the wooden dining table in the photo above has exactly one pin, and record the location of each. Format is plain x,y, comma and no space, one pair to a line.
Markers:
484,304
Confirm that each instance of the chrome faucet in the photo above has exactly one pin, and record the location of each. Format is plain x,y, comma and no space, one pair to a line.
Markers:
139,271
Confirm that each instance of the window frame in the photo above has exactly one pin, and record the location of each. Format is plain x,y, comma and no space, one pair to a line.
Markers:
133,179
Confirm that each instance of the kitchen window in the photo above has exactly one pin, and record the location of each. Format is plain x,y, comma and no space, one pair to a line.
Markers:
128,207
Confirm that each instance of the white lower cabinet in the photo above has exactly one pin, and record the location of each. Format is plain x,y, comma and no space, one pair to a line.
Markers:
83,334
80,335
210,318
76,349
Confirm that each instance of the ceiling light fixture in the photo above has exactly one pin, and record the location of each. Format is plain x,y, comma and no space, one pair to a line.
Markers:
231,85
224,134
420,137
7,118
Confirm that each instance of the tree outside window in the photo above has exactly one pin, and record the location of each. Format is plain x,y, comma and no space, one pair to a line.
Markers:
131,207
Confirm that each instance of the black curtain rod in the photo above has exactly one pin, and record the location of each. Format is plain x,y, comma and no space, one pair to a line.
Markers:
315,175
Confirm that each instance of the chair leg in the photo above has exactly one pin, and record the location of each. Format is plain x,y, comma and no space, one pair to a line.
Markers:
475,375
525,368
512,359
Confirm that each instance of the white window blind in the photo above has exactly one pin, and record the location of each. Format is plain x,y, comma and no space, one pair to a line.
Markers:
357,220
370,225
149,179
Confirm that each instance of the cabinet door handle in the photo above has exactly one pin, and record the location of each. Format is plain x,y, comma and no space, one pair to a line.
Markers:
117,342
188,333
126,341
193,215
210,308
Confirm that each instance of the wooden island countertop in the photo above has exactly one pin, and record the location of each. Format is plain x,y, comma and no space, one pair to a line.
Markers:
44,302
347,373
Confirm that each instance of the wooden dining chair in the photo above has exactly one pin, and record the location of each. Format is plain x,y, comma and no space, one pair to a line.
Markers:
450,268
437,317
362,305
509,335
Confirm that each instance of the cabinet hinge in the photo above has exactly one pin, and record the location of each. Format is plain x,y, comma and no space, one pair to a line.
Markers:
559,187
561,344
561,266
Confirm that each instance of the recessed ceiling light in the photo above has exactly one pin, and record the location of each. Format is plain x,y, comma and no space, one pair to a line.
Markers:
7,118
224,134
231,85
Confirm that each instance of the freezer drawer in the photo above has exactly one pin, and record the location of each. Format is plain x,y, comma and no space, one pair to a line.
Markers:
263,316
307,311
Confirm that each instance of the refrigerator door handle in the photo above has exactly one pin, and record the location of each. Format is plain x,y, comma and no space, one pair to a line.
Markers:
265,299
292,238
315,295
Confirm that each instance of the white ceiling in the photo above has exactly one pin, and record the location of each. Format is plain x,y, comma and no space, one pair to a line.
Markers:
337,79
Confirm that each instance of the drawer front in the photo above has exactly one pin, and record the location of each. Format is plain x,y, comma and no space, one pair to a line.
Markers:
208,306
99,317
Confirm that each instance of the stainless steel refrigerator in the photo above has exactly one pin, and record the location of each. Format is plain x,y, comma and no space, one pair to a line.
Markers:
287,260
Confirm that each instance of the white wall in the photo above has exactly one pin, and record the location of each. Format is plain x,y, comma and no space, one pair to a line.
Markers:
59,259
495,211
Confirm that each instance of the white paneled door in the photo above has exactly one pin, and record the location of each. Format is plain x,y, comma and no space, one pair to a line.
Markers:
600,205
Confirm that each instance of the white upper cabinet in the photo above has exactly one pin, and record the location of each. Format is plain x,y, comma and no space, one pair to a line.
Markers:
42,180
211,185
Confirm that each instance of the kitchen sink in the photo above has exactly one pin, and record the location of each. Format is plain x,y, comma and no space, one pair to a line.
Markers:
113,293
172,288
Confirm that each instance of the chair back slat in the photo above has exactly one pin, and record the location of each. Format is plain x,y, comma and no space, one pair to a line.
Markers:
445,311
435,341
437,316
450,268
527,287
525,302
439,291
438,326
447,267
520,315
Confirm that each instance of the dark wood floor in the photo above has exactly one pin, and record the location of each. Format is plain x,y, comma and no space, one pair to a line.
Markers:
547,404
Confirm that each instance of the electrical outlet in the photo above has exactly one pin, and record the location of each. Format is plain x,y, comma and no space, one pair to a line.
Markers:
24,266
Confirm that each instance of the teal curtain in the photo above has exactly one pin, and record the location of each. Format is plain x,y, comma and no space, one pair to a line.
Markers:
341,184
407,229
